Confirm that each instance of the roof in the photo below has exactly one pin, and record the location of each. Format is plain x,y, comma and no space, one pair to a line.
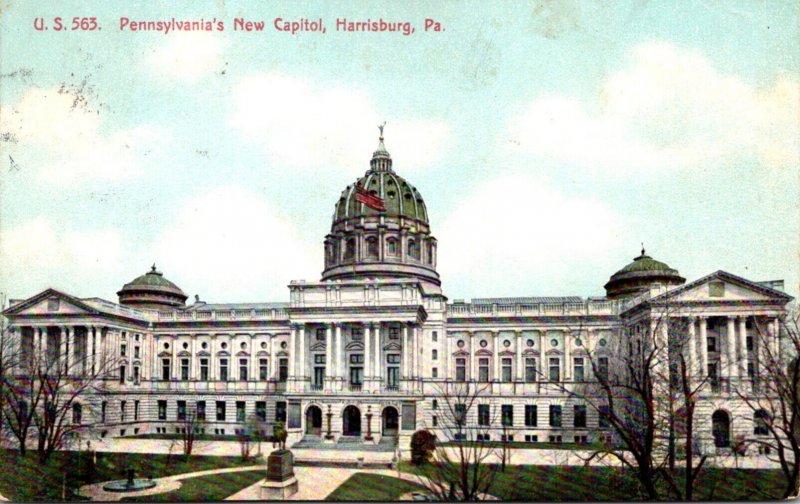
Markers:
645,263
529,300
236,306
152,278
724,275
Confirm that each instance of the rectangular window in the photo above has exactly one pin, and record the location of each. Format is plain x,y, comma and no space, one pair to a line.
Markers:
577,369
136,375
204,369
356,375
77,413
394,333
461,370
181,410
507,415
137,352
749,342
435,404
483,415
712,344
555,369
283,370
579,418
320,334
434,336
531,414
555,415
483,370
319,376
223,369
602,368
319,359
603,418
506,370
242,369
162,410
393,358
460,414
123,350
434,372
136,410
280,412
240,411
184,369
220,411
357,334
261,410
435,420
103,409
123,406
122,374
165,367
530,370
393,377
434,354
201,411
356,358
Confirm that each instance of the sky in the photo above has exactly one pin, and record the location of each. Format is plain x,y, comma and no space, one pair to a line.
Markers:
549,139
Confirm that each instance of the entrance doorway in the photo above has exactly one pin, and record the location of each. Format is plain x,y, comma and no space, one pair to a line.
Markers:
721,429
390,421
351,421
314,421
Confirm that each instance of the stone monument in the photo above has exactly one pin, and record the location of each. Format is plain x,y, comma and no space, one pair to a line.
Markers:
280,482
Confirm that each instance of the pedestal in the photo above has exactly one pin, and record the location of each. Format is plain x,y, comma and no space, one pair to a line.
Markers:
280,482
278,490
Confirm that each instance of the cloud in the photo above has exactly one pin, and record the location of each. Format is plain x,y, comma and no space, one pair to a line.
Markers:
526,237
308,126
670,108
231,243
36,252
187,57
63,133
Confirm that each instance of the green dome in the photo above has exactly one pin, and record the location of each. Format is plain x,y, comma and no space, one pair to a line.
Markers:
399,197
152,278
152,291
637,277
645,263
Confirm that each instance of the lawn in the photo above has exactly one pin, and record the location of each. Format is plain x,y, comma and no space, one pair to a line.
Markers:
580,483
24,479
373,487
214,487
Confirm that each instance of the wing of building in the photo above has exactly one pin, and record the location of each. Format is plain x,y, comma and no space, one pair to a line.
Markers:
366,353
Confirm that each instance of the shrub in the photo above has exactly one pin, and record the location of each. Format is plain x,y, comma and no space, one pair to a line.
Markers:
422,445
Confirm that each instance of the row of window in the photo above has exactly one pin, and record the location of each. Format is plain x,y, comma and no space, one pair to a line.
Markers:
579,366
199,413
373,253
531,416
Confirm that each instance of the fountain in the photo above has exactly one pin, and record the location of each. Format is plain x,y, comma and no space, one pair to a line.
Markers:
129,485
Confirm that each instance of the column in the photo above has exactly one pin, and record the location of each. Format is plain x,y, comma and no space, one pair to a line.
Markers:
776,339
339,354
542,368
417,332
496,348
379,360
520,363
404,359
303,360
731,349
473,359
414,351
743,355
368,356
691,365
567,355
328,357
62,351
292,357
703,347
90,350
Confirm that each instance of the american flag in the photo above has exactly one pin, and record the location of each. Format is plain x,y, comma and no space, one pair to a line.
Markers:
369,199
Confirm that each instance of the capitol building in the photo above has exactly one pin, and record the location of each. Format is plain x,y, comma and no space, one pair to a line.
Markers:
366,353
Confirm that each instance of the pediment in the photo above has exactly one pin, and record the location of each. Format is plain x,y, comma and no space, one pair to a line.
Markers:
723,287
354,345
507,353
461,353
165,354
184,353
242,353
483,352
282,353
554,352
392,347
223,353
51,302
318,346
203,353
262,353
530,351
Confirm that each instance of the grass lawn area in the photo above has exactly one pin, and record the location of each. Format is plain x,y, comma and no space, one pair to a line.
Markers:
24,479
214,487
579,483
531,446
373,487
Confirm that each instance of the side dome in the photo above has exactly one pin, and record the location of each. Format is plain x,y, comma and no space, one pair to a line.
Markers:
639,275
380,228
152,291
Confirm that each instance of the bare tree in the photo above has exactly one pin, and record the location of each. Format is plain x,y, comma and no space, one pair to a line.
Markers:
776,406
48,393
189,429
460,468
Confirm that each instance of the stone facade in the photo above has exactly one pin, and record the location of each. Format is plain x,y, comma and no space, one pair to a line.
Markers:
369,350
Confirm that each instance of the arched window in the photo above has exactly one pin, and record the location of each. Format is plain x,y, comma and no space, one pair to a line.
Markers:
391,247
429,252
721,429
372,248
350,249
761,421
413,249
